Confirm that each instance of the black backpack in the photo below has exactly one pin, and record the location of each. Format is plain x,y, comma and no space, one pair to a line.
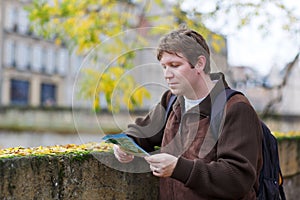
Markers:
270,179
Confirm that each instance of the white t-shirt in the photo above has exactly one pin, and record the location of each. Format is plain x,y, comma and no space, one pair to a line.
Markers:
189,103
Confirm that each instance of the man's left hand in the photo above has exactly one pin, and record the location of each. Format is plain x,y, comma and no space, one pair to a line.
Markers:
162,165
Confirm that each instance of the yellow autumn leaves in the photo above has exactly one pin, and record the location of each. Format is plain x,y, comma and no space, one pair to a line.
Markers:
118,89
289,134
83,25
90,147
86,25
80,23
55,150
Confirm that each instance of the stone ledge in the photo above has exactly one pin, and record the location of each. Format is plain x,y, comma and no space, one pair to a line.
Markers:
100,176
289,156
69,177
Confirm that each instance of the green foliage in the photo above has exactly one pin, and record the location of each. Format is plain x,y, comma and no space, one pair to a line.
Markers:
82,25
109,83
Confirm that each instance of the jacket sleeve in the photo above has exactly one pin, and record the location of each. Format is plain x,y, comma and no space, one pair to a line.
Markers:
148,131
235,170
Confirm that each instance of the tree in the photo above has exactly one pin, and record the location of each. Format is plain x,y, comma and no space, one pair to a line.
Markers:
264,15
81,25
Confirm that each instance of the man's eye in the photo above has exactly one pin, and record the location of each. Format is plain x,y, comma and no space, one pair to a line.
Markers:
171,65
174,65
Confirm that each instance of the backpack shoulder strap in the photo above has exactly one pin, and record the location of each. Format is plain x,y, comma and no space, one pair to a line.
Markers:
217,111
230,92
171,101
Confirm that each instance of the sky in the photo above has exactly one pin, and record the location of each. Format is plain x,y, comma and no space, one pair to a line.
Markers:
250,47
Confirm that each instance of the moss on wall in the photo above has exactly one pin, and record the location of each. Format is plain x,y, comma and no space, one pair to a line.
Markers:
98,175
73,176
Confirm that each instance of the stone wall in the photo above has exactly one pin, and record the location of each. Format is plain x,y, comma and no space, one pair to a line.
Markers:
84,120
63,120
84,176
74,176
289,155
101,176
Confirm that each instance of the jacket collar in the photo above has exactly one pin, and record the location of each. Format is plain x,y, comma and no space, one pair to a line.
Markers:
205,106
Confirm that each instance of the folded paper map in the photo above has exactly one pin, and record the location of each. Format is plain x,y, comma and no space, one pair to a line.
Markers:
126,143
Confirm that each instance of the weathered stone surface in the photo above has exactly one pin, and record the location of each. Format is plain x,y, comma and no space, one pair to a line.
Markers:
289,152
101,176
81,177
292,187
289,156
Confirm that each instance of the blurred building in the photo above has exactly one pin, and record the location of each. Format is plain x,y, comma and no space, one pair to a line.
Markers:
251,83
36,72
278,91
289,95
33,71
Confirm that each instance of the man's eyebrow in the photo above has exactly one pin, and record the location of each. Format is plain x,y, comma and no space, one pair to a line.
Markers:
171,63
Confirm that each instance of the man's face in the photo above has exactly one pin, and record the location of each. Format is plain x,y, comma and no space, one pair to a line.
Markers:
179,74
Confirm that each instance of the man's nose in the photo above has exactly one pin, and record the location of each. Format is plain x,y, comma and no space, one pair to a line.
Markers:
168,73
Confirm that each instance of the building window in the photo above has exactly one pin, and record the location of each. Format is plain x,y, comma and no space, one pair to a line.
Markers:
10,53
62,64
50,61
44,60
76,62
28,57
15,19
23,22
19,92
56,62
37,61
10,17
13,53
48,94
21,56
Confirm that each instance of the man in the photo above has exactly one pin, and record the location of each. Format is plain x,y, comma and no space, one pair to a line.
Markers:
191,164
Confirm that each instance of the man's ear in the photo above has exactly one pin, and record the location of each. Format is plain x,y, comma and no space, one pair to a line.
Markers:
200,63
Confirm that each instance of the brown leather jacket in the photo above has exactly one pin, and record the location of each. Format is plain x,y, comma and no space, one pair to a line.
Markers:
227,168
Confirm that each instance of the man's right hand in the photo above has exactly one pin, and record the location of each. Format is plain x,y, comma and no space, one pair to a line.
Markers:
121,155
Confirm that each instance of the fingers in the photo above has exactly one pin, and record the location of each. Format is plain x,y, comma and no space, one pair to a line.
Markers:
162,165
156,170
121,155
158,158
153,169
153,159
